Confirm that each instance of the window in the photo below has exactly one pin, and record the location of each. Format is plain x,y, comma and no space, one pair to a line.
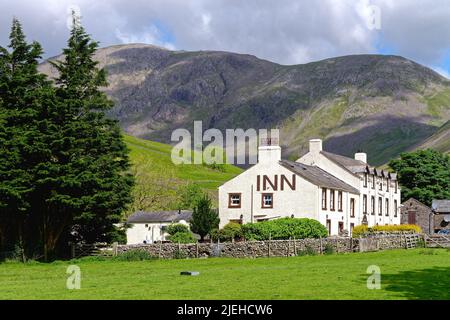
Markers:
332,200
364,204
365,180
395,208
373,182
396,186
380,206
234,200
340,227
372,205
352,225
340,200
267,200
329,226
381,184
324,199
387,208
352,207
387,184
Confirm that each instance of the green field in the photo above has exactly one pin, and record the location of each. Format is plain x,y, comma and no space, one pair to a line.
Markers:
405,274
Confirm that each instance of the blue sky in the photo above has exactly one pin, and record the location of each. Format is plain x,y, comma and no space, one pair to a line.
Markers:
285,31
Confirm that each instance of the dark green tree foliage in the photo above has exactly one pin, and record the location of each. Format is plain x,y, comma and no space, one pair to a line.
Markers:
63,165
204,218
423,175
24,97
92,186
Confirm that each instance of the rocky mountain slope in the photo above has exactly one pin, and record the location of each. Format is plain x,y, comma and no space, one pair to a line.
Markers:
380,104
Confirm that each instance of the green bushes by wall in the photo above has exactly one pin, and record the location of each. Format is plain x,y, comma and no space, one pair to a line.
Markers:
284,228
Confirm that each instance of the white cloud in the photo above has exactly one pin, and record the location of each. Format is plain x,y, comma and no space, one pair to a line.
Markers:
286,31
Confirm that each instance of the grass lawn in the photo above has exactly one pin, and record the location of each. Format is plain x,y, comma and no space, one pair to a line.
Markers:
405,274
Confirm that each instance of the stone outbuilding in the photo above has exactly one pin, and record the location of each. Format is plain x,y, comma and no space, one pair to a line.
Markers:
415,212
441,210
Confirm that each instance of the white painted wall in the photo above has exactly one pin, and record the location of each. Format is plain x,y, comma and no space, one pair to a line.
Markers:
306,200
148,232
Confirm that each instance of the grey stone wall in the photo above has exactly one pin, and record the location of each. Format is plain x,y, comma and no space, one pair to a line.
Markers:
273,248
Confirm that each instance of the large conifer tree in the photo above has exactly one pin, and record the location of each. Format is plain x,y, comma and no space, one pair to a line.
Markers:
23,93
95,187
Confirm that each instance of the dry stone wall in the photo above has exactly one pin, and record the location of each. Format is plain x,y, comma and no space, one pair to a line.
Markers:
273,248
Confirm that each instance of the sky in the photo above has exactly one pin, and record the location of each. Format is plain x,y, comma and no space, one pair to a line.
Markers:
282,31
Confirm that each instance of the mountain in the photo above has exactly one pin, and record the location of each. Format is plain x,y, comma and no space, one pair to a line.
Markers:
379,104
438,141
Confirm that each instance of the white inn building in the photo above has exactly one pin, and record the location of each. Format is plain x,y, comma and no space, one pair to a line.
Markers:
338,191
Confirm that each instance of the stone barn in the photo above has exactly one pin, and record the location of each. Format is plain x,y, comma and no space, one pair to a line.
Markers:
441,209
415,212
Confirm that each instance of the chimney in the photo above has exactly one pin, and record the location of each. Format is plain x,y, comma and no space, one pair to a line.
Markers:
361,156
269,151
315,145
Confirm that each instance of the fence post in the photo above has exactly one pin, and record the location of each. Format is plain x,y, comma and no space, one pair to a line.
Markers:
295,248
289,247
115,244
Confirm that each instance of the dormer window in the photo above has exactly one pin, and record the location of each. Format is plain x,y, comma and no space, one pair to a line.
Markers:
365,179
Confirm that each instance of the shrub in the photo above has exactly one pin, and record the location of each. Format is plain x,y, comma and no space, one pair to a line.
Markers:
179,254
182,237
362,230
359,231
284,228
309,251
177,227
230,231
134,255
328,249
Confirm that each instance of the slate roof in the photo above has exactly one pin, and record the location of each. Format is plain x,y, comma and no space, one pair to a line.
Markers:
318,176
441,206
160,216
357,166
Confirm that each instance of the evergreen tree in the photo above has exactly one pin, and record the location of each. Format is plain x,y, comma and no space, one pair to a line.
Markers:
93,186
423,175
204,218
23,94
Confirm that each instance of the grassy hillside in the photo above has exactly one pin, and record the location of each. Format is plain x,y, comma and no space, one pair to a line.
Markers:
160,182
439,141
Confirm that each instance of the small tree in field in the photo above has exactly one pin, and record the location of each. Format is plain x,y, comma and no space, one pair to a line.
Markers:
204,218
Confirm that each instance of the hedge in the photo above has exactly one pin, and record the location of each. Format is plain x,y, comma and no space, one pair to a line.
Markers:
362,230
230,231
284,228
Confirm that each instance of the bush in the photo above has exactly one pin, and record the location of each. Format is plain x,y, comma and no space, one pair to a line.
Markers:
361,230
328,249
177,227
182,237
230,231
134,255
309,251
284,228
179,254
